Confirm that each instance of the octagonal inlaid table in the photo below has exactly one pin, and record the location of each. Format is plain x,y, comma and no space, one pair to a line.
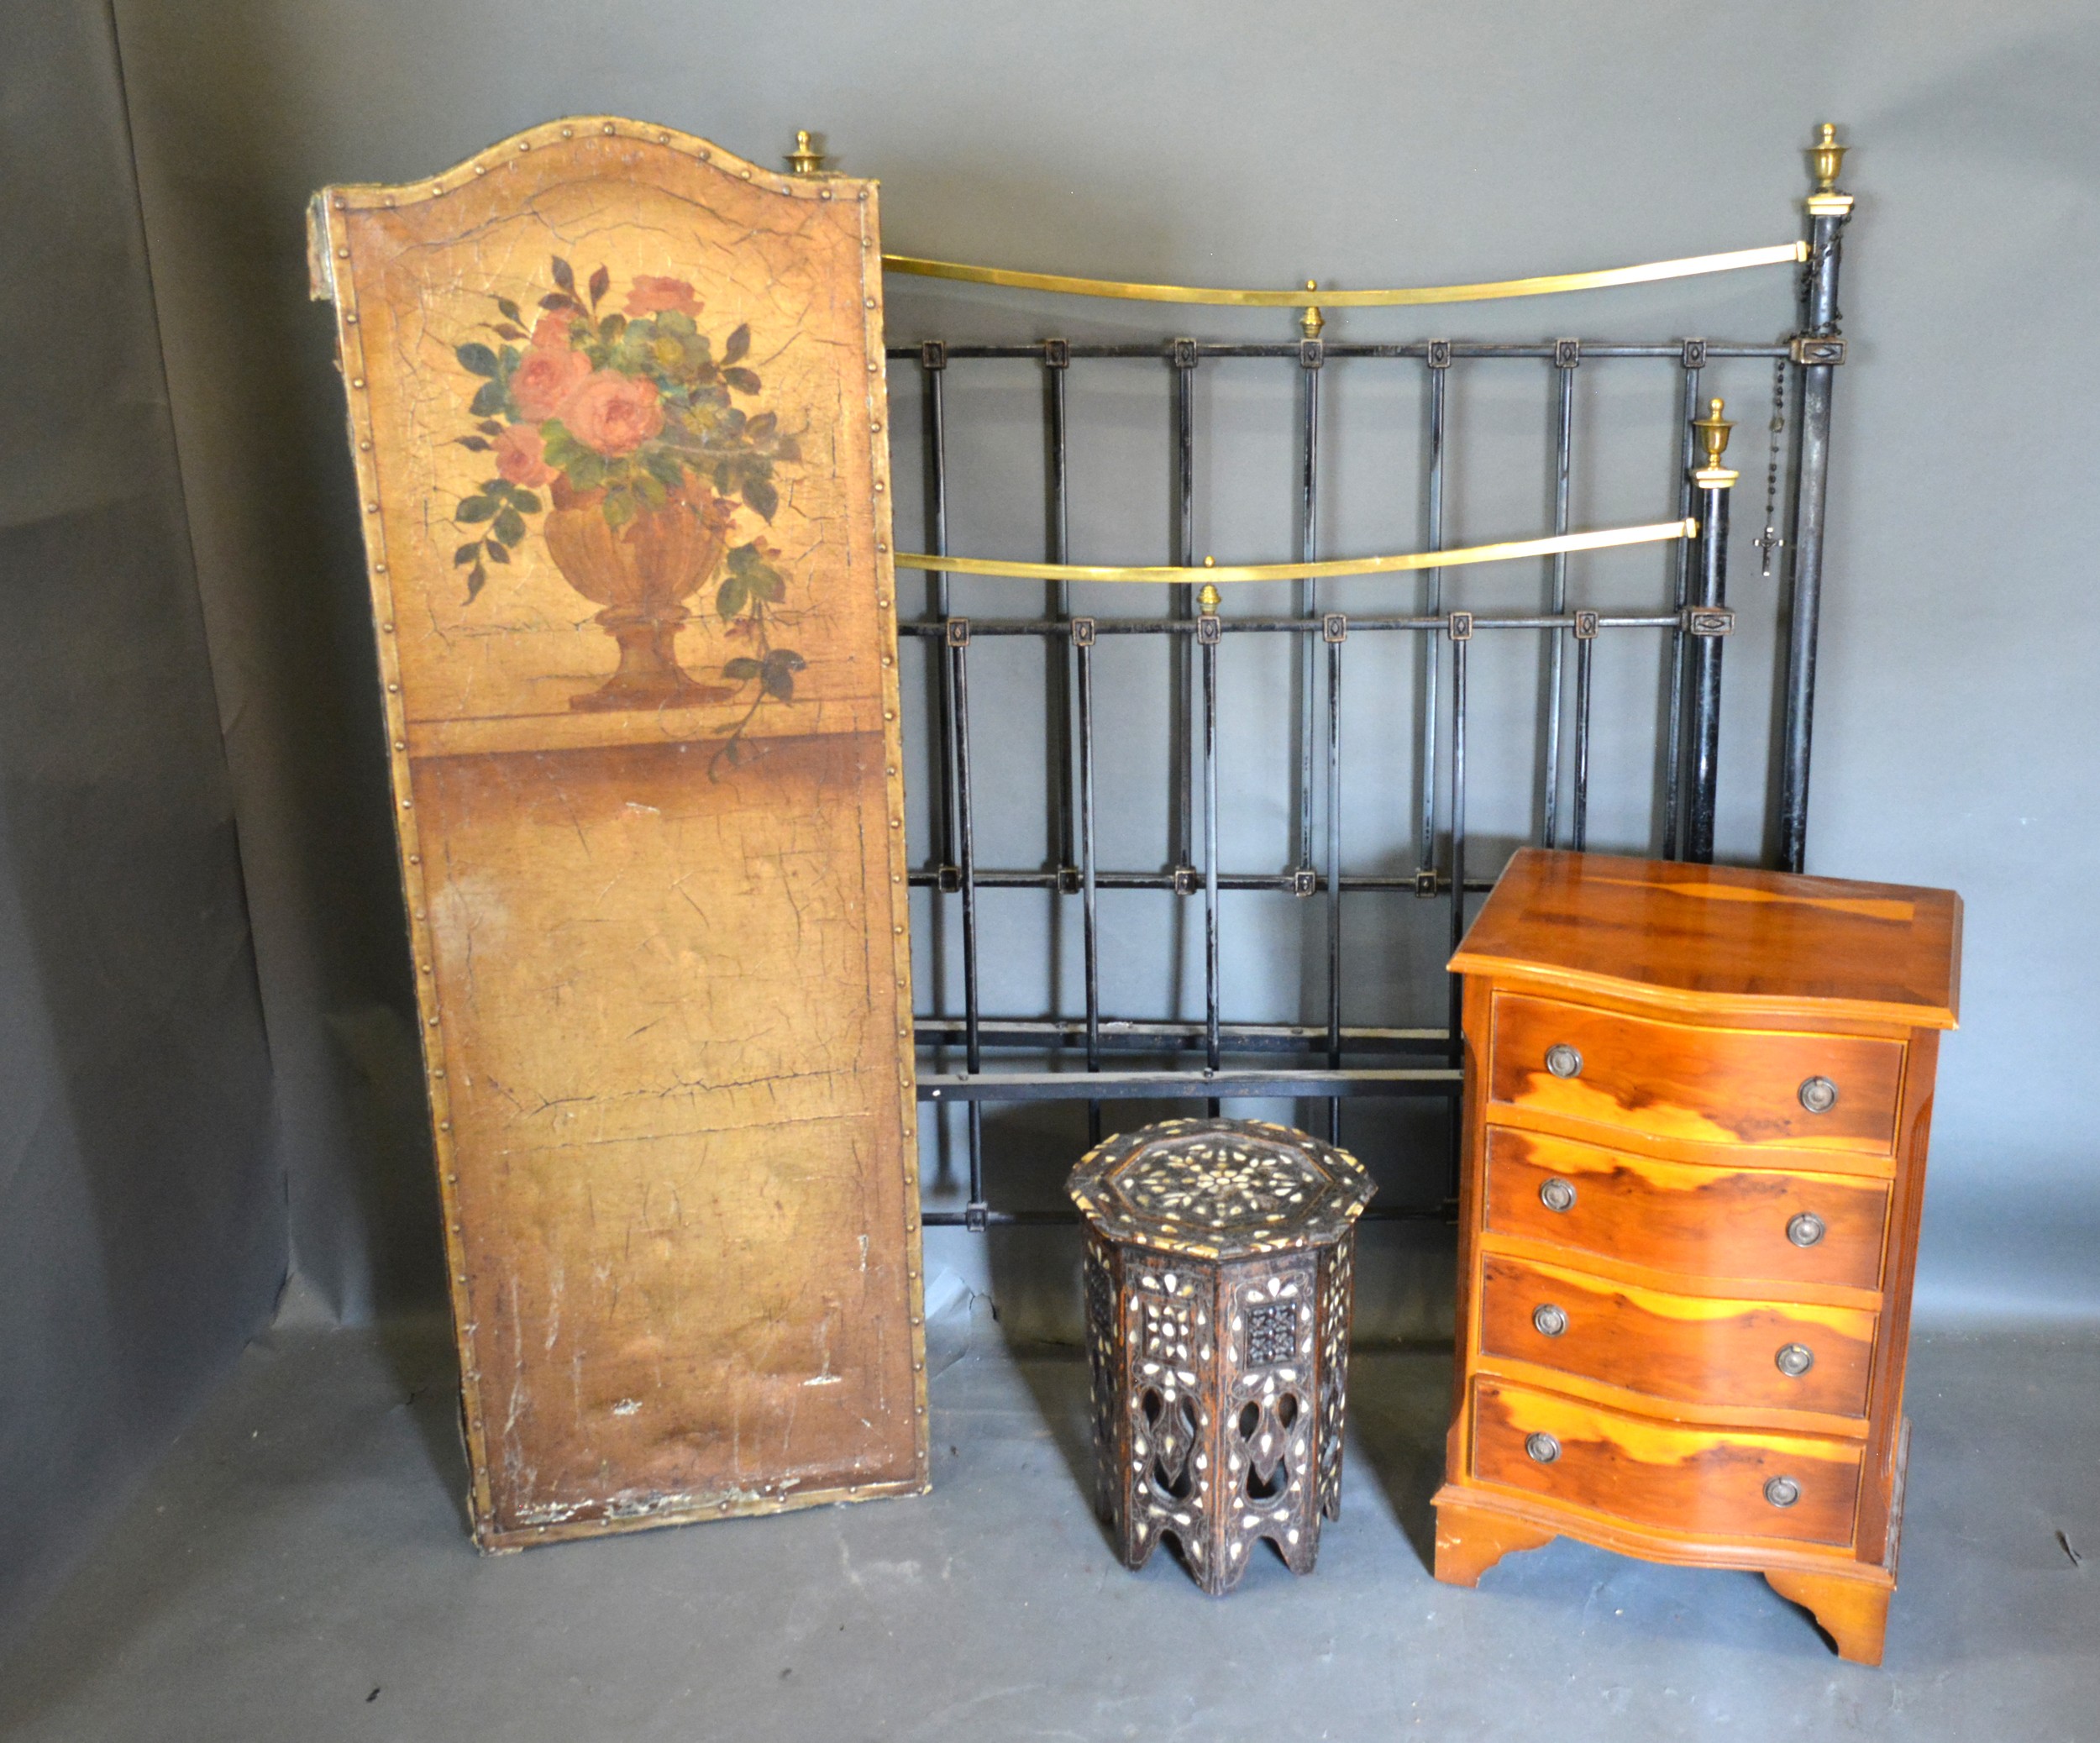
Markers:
1217,1295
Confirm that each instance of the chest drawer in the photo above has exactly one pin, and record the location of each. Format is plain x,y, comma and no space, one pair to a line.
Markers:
1691,1349
1755,1225
1714,1086
1718,1481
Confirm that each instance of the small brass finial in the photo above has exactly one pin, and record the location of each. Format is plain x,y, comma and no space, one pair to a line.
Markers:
1713,430
805,160
1310,323
1208,600
1829,158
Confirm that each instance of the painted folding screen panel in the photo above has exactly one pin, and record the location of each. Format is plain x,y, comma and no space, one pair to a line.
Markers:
617,405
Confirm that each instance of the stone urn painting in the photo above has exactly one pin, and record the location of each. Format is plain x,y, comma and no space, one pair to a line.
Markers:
637,440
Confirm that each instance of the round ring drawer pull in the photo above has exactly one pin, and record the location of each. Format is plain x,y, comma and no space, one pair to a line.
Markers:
1819,1095
1548,1320
1545,1449
1806,1229
1794,1360
1563,1061
1783,1491
1557,1194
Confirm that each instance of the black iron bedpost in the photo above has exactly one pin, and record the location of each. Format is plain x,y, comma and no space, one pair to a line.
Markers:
1817,349
1181,748
1693,357
1568,357
1312,356
1056,361
1708,621
1209,630
1459,626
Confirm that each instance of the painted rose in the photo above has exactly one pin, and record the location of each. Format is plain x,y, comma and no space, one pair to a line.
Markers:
651,296
551,333
612,413
543,381
520,456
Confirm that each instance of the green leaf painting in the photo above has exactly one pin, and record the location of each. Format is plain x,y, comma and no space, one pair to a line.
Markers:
610,401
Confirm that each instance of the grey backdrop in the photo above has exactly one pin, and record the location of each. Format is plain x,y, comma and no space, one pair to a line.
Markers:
142,1215
1358,143
146,1217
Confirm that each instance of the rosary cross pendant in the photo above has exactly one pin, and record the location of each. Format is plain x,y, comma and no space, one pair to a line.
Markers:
1769,543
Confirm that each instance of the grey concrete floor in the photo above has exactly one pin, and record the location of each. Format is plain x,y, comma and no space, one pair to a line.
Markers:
296,1570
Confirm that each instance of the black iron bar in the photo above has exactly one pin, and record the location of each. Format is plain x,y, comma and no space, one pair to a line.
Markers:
1419,348
1706,675
972,1043
1334,886
1180,1083
933,365
1057,359
1811,483
1556,568
1180,750
1286,626
1673,746
1089,883
997,1219
1143,1035
1058,537
1211,1040
1578,810
1455,1024
933,375
1283,883
1432,651
1310,357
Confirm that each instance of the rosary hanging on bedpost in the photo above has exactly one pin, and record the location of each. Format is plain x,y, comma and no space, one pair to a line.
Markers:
1769,541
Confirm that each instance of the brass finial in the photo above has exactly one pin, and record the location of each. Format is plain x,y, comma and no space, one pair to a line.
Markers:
1713,430
805,160
1312,320
1208,599
1828,157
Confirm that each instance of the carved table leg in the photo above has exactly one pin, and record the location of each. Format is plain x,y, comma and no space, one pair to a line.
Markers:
1470,1540
1853,1613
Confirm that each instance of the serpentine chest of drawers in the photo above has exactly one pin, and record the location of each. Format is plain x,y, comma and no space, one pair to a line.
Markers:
1697,1101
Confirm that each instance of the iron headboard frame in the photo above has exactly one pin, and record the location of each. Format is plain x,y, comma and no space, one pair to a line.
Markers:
1696,627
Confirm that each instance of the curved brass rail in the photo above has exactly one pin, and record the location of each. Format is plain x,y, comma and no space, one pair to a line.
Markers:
1509,551
1786,253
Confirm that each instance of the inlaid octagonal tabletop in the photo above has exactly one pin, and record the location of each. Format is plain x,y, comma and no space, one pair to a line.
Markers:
1220,1188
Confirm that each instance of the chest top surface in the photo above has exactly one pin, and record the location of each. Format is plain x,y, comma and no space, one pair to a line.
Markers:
1220,1188
1716,936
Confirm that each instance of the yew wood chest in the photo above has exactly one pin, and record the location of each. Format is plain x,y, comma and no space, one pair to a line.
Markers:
1697,1102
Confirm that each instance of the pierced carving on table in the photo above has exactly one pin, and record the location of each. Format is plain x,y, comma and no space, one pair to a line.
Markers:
1272,1335
1218,1434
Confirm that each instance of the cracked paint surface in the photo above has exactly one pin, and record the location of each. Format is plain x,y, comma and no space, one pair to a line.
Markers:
662,1002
